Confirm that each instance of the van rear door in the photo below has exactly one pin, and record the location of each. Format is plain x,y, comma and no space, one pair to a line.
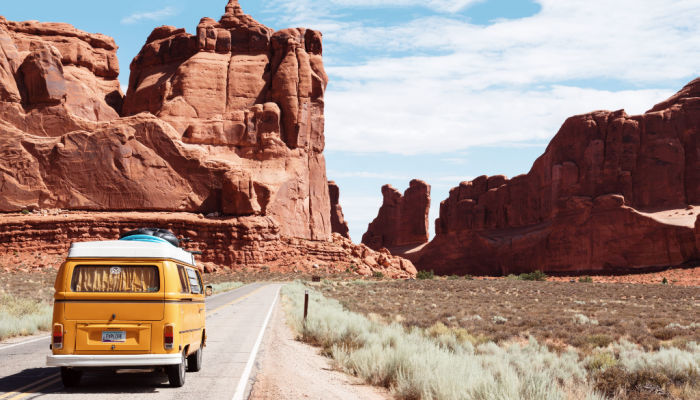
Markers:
113,305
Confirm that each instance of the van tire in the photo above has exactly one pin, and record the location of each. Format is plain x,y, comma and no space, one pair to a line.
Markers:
70,377
194,361
176,373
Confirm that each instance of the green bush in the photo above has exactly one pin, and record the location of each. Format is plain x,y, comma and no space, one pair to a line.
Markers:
585,279
378,274
664,281
468,277
453,277
533,276
425,274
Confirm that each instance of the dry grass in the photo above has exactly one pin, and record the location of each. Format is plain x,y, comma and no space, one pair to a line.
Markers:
583,315
21,317
634,341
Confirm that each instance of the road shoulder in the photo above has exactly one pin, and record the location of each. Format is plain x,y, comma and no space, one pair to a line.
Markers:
289,369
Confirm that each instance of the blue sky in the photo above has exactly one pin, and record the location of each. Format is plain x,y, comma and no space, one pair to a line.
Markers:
443,90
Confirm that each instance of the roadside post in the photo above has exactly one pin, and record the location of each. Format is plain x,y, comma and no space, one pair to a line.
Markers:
306,305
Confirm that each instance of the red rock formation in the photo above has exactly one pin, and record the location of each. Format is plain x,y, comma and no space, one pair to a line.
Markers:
226,122
229,121
402,220
251,242
338,223
593,201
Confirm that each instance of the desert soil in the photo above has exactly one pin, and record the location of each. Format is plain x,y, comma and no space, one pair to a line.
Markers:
583,315
290,370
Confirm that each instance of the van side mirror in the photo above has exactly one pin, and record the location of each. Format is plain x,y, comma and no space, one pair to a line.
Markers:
209,290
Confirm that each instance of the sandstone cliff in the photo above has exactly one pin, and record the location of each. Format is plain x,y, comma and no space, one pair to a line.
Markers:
227,123
402,220
612,193
338,223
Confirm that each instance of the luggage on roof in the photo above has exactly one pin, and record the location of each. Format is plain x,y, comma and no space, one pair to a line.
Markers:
151,235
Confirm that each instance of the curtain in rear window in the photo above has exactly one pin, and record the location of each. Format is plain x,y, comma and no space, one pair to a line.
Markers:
116,279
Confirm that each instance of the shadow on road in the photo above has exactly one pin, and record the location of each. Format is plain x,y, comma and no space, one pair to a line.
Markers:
93,382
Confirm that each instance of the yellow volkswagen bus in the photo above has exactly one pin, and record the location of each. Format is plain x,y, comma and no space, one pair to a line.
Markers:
137,302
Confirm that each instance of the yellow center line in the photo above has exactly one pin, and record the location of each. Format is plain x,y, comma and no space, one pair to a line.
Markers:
34,389
237,300
19,390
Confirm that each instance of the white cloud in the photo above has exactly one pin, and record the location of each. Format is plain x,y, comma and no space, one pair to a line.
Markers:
149,15
429,117
437,84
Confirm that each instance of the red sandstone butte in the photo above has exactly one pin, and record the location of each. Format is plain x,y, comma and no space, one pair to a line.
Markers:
402,220
338,223
228,123
612,193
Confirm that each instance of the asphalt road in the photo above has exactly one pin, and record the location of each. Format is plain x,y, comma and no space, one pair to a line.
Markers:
235,326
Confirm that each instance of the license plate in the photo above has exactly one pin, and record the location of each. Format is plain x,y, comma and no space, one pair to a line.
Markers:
113,336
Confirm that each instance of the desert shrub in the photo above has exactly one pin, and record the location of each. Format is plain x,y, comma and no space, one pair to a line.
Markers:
378,274
453,277
674,325
26,212
678,365
665,333
434,364
600,361
584,320
599,340
425,274
585,279
468,277
533,276
225,286
498,320
20,317
664,281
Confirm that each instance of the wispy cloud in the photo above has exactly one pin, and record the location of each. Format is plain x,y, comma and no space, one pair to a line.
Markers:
149,15
439,83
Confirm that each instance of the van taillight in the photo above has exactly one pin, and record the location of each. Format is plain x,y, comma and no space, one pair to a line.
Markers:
58,336
168,336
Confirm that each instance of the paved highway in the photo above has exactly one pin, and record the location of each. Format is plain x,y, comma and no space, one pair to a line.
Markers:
236,322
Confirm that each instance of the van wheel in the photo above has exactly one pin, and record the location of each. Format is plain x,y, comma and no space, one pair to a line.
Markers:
176,373
194,361
70,377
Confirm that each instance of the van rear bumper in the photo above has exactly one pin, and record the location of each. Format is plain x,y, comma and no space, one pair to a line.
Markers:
136,360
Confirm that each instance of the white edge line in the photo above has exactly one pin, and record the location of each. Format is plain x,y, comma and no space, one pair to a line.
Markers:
243,382
25,342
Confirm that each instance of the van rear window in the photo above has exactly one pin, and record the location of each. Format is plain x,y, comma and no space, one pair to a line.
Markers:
115,279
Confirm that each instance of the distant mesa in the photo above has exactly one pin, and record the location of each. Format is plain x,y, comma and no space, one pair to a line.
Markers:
402,220
612,194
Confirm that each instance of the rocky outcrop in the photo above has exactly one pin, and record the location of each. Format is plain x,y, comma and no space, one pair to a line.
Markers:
225,242
338,224
402,220
48,63
228,121
612,193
